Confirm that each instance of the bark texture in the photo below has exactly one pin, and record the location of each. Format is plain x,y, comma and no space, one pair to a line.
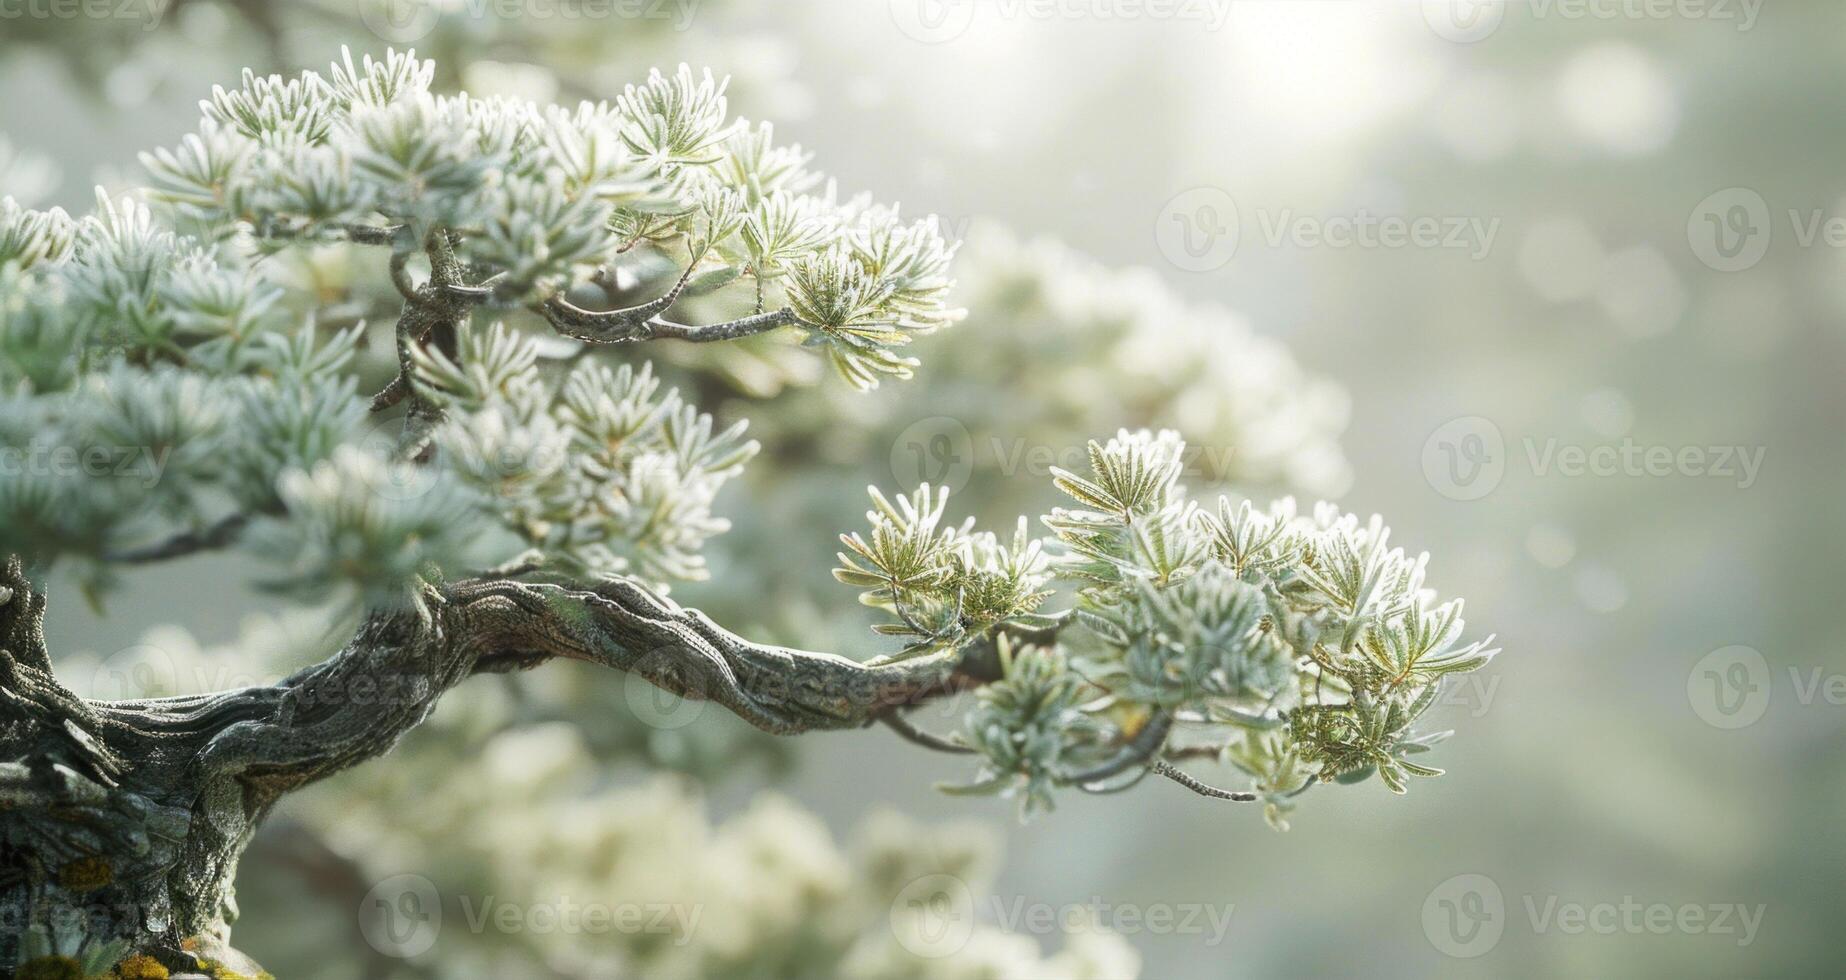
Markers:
131,815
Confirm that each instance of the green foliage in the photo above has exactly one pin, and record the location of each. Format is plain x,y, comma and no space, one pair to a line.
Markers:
600,472
544,195
1297,648
940,583
172,336
356,519
64,949
28,237
1022,724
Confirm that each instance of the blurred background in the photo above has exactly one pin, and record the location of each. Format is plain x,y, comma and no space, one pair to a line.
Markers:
1555,287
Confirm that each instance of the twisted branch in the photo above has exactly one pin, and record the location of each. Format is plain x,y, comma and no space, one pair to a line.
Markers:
168,791
632,324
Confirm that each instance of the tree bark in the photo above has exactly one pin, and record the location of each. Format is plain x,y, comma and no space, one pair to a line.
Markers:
131,815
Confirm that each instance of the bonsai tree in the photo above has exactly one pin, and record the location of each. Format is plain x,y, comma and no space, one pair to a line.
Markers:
505,495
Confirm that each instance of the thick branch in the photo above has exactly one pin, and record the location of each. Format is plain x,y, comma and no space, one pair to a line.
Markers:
623,625
166,792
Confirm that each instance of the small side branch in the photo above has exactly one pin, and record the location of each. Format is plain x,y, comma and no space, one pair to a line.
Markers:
614,327
1163,768
211,538
372,234
1139,750
644,321
729,330
910,733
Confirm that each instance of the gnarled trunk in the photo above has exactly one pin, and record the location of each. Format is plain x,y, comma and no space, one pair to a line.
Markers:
125,819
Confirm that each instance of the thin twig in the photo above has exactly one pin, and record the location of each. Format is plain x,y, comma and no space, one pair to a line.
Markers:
1139,750
1163,768
901,725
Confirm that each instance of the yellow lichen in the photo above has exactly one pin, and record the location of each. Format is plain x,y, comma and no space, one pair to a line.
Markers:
218,971
140,967
86,874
